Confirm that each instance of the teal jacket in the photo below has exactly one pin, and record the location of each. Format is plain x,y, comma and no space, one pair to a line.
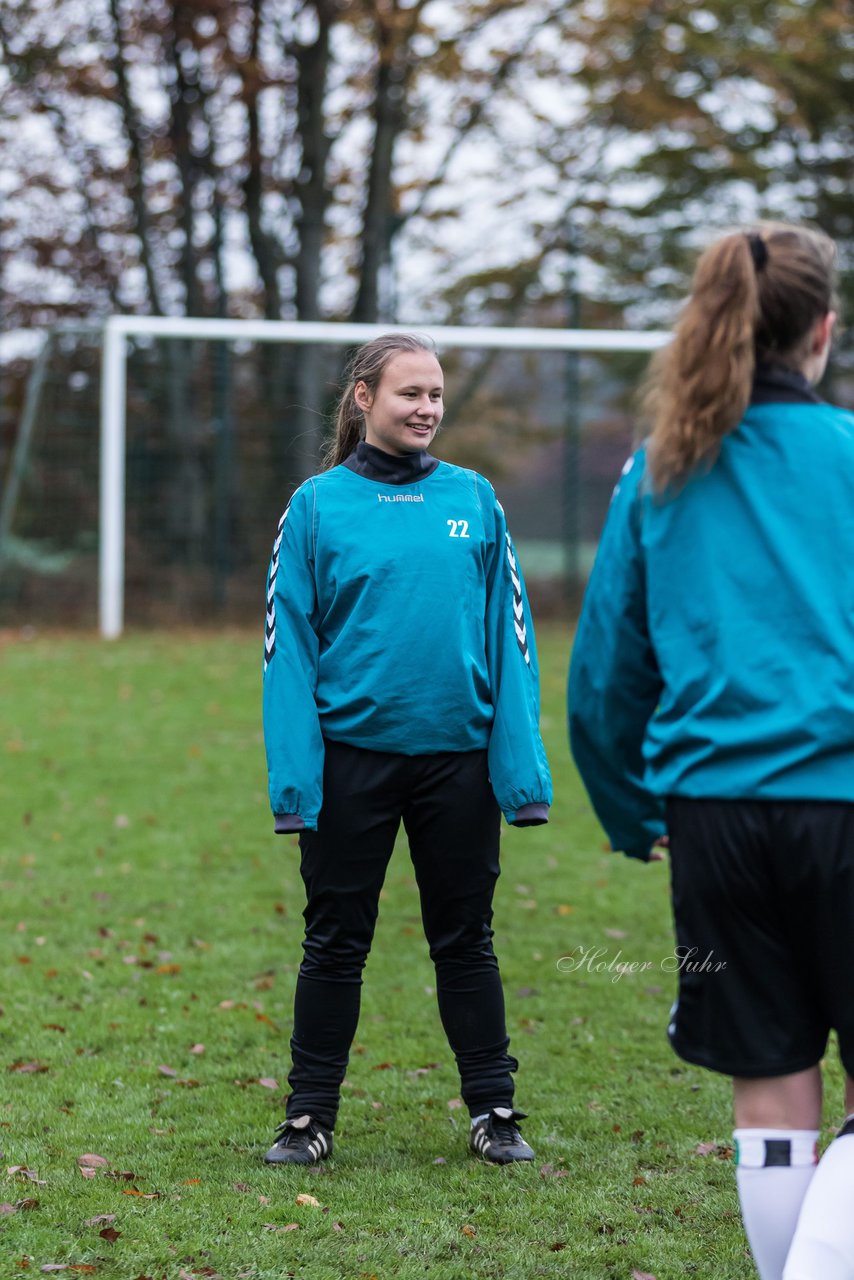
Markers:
397,621
715,651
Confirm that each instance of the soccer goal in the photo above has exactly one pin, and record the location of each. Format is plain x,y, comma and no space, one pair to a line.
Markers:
205,427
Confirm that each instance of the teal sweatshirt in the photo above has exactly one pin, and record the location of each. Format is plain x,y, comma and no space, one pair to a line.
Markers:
714,657
397,621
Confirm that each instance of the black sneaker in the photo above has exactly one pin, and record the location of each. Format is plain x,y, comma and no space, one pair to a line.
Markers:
300,1141
496,1137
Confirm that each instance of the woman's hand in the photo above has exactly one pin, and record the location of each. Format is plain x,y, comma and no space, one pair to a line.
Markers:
659,849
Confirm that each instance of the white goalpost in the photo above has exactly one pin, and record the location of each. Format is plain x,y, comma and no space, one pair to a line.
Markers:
118,329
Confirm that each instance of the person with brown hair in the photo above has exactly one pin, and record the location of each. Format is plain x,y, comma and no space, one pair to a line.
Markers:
400,685
711,712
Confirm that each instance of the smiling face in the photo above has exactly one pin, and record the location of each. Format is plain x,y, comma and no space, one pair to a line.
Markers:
403,414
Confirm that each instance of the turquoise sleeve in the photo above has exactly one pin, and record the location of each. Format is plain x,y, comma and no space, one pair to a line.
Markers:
292,737
518,767
614,680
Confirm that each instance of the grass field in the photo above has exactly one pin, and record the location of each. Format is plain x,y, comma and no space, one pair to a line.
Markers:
151,930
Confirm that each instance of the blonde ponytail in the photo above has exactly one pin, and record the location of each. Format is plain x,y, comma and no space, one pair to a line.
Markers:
755,297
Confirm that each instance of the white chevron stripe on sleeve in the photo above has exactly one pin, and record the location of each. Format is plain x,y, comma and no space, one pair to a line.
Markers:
518,604
270,627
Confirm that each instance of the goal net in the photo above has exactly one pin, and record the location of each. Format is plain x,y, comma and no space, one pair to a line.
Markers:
154,457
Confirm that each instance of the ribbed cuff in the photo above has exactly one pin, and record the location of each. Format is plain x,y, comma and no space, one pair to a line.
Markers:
530,815
287,823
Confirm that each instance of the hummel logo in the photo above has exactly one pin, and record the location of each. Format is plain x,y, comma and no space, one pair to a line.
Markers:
400,497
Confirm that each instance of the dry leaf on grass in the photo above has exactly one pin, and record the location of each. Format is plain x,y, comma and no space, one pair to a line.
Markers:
302,1198
23,1172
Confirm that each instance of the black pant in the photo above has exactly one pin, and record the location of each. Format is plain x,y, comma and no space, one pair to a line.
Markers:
452,820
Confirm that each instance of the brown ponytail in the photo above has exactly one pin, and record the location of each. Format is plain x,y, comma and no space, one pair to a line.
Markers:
367,365
755,297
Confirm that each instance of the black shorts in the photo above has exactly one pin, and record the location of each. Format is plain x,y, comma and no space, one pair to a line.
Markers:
763,902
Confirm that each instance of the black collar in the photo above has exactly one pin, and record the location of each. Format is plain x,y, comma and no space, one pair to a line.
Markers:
775,384
375,464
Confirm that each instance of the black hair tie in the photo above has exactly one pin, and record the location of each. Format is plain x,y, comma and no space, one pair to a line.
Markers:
758,250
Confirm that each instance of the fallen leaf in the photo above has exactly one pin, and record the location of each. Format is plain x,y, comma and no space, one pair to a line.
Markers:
267,1082
99,1218
454,1104
54,1026
338,1226
719,1149
167,1071
110,1234
191,1182
289,1226
54,1266
642,1275
91,1161
28,1068
29,1203
197,1048
440,1160
616,933
241,1186
383,1066
557,1246
23,1172
7,1208
302,1198
468,1230
88,1173
168,968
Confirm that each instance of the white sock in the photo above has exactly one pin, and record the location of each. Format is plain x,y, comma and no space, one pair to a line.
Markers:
774,1167
823,1245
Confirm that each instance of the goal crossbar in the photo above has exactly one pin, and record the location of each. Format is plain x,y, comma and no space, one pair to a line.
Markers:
117,330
